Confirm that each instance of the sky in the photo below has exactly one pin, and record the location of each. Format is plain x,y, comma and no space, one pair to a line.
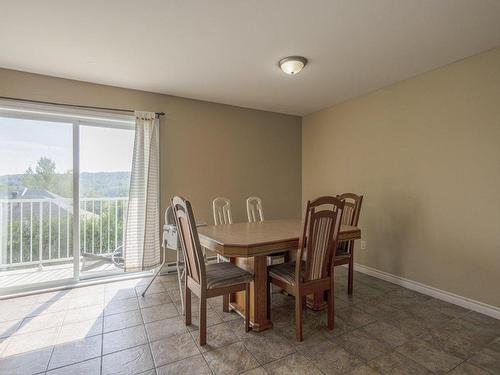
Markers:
23,142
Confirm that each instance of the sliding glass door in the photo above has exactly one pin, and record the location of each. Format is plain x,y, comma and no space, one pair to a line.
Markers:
64,183
105,162
36,202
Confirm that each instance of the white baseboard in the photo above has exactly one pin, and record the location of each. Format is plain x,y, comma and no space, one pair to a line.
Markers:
467,303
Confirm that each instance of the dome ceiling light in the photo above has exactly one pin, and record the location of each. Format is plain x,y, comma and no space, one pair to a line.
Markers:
292,64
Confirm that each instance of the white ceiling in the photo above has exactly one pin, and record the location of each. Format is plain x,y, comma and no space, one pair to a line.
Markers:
227,51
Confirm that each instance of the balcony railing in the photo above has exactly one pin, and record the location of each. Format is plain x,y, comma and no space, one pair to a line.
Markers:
40,231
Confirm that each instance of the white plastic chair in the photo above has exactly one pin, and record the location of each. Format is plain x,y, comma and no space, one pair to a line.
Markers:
170,237
254,209
222,211
222,215
255,213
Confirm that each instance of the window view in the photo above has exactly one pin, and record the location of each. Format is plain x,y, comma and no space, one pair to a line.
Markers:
36,200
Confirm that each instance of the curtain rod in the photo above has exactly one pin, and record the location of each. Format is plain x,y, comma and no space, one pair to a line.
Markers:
158,114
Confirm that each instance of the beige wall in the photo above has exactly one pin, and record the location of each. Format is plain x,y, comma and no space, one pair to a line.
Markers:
426,154
207,149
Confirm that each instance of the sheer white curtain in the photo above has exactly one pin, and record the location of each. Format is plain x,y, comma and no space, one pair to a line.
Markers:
142,235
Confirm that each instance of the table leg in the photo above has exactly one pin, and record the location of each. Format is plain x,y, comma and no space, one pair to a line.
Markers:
258,293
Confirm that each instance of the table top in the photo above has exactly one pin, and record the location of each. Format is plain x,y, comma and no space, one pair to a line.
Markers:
260,238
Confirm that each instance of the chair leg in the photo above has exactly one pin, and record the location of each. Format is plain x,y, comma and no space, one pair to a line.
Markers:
203,320
187,307
331,309
350,280
269,299
157,272
298,316
247,307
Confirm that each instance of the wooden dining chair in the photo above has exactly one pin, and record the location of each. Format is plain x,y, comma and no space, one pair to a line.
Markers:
345,249
312,270
206,281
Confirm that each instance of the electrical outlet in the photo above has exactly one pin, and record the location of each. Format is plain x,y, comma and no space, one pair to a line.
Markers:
363,245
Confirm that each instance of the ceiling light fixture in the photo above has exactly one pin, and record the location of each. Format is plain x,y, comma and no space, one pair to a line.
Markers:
292,64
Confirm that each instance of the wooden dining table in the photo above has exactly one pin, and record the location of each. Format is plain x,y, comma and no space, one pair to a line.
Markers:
248,245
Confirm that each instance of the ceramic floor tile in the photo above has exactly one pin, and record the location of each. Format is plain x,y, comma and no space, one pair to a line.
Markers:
9,328
354,317
20,344
122,305
268,346
41,322
90,367
468,369
428,356
27,363
293,364
453,311
161,329
452,342
192,365
122,320
395,363
75,351
363,370
156,287
124,338
77,331
232,359
488,358
159,312
428,314
174,348
217,336
130,361
407,323
330,358
154,299
381,329
362,344
387,334
113,295
83,313
256,371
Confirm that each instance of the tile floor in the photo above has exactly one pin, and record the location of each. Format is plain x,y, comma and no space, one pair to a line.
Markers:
110,329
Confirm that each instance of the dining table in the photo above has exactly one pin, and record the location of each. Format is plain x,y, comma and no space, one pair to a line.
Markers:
248,245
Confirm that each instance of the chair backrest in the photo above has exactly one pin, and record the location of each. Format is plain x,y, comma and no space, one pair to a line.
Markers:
352,208
169,216
254,209
190,242
319,238
222,211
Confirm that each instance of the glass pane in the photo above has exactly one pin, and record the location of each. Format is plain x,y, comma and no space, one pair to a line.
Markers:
36,202
105,164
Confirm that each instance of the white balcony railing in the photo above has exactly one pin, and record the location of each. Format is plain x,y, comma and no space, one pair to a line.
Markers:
40,231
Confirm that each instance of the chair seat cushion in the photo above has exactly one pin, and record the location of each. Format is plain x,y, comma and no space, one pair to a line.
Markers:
226,274
284,272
